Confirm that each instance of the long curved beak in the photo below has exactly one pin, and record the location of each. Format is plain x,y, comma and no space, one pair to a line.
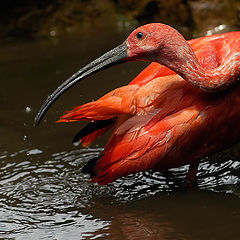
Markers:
111,58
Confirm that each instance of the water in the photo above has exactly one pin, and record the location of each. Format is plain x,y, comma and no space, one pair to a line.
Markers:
43,194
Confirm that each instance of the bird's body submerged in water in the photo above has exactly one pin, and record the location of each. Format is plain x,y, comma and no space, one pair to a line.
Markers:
168,115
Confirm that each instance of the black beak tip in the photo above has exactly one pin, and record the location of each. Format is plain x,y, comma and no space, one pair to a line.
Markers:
36,121
113,57
38,118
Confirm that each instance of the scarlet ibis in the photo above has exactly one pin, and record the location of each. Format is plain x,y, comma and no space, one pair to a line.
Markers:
180,109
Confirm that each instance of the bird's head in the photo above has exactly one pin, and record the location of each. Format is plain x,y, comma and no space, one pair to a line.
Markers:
147,42
143,44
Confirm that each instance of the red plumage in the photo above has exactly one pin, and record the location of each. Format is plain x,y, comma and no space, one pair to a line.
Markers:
162,120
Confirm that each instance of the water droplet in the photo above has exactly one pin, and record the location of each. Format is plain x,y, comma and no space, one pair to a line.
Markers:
28,109
53,33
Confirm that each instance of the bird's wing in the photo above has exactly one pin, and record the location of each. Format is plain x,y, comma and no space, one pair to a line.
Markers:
136,147
108,106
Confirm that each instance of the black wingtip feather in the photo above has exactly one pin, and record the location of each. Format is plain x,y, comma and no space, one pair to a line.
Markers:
92,127
89,167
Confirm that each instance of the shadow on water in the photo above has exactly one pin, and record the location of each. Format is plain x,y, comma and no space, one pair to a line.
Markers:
43,194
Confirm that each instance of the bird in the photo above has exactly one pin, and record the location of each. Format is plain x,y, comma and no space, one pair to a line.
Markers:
178,110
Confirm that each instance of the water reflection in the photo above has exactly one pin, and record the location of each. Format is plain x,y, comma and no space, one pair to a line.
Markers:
182,215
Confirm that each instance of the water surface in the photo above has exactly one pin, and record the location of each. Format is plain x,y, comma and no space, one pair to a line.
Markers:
43,194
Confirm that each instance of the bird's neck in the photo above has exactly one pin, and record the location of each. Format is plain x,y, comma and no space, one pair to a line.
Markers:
180,58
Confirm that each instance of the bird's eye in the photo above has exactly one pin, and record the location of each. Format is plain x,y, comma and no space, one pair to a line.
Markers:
139,35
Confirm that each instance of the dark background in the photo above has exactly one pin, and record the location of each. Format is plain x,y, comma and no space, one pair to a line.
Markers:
28,18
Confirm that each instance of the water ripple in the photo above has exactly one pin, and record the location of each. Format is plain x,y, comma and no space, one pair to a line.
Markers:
42,192
36,195
218,177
